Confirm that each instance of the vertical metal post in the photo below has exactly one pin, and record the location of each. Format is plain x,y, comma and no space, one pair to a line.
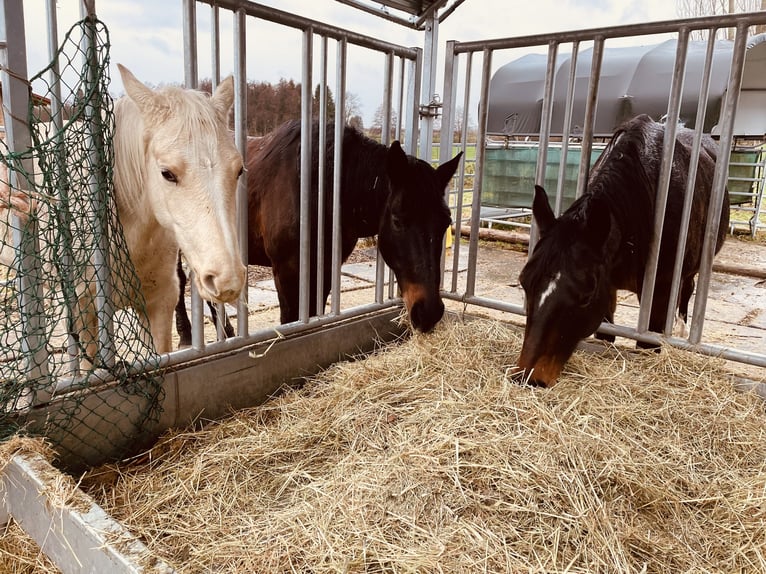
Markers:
191,81
385,139
663,184
215,45
240,136
190,43
305,196
545,130
720,176
461,175
321,171
61,177
430,51
97,183
215,60
590,114
566,129
337,176
683,230
13,74
413,97
473,245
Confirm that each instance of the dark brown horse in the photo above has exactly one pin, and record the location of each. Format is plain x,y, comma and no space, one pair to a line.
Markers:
384,192
601,244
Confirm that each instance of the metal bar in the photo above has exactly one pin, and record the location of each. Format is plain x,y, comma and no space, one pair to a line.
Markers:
61,176
683,230
240,136
337,176
305,196
473,243
277,16
447,135
590,115
191,81
413,97
663,185
321,187
385,139
566,129
545,131
430,49
215,44
97,185
215,59
729,112
30,276
456,246
644,29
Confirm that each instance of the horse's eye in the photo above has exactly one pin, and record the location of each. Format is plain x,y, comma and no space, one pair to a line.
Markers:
169,176
241,171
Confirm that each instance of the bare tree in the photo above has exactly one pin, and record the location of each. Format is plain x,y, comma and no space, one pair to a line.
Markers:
353,107
693,8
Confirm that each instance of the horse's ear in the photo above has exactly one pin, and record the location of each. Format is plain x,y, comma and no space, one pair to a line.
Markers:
144,97
397,163
223,98
542,211
446,170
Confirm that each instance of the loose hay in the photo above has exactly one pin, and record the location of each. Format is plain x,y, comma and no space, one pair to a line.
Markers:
430,457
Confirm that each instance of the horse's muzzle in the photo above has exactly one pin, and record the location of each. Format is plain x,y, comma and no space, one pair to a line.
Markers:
222,287
425,309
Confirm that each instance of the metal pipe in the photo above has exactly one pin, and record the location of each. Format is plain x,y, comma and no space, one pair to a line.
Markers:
473,244
305,195
240,137
566,129
683,230
720,175
590,115
337,177
663,185
321,170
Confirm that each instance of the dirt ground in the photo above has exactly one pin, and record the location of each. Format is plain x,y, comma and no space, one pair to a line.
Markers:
735,315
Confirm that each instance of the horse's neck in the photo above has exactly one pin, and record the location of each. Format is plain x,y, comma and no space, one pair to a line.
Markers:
367,183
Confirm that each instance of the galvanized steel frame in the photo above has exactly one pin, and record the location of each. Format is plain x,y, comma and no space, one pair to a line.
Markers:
740,22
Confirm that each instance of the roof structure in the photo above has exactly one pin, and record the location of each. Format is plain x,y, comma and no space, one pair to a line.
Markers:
410,13
633,80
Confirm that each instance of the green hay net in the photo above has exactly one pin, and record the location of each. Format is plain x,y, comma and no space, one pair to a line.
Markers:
60,238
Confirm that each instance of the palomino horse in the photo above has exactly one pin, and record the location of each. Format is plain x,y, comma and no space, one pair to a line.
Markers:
175,178
601,244
384,192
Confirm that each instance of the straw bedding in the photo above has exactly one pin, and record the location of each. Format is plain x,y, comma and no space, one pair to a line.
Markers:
430,456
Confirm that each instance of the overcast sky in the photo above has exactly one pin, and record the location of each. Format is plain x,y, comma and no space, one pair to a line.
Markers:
146,35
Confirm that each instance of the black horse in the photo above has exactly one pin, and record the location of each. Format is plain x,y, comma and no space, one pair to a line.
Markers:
601,244
384,192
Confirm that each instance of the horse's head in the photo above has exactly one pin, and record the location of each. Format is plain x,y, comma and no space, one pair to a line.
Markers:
412,230
190,172
566,284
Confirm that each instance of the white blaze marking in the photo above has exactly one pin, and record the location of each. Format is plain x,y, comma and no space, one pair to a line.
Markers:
549,290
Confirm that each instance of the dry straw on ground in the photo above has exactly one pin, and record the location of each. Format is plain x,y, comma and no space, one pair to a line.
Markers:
430,457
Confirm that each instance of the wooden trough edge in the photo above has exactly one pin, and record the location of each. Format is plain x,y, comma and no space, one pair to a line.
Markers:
500,235
78,536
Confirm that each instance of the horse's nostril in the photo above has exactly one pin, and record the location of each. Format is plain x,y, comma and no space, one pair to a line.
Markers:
208,281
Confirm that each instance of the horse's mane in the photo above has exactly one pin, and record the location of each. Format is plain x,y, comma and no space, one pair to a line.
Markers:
193,117
625,178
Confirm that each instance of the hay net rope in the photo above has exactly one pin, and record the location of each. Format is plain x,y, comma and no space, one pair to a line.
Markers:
63,258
